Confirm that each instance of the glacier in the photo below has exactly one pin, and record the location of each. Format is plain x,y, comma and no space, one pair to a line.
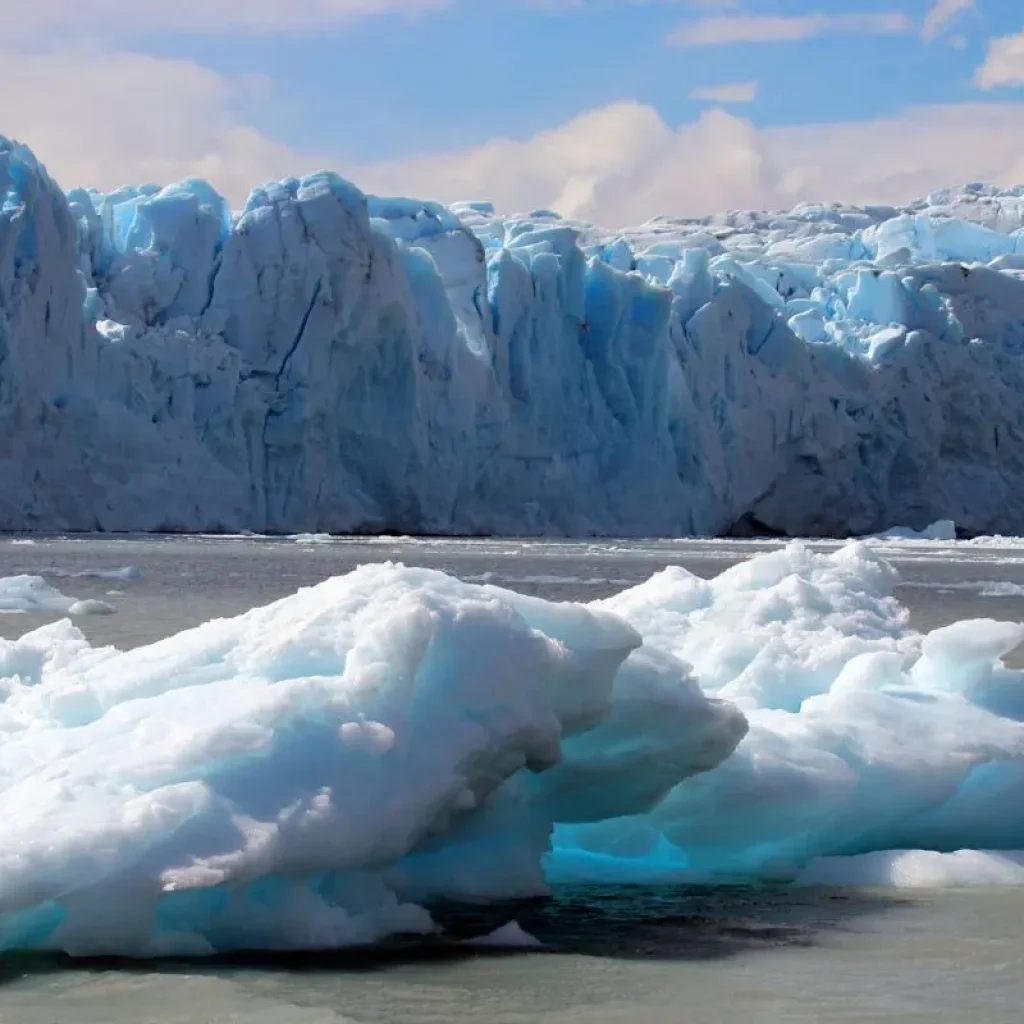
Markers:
325,361
325,771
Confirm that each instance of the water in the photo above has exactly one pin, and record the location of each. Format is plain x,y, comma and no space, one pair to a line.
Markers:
637,955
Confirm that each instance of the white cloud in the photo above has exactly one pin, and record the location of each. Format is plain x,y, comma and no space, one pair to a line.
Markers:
1004,63
725,29
941,16
623,163
105,119
127,19
734,92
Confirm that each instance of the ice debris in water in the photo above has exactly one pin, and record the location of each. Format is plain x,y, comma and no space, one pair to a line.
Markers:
317,772
918,869
323,361
124,573
941,530
21,594
508,936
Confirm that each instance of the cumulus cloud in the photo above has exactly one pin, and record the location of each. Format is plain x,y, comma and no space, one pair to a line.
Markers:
726,29
941,16
733,92
622,164
108,118
1004,63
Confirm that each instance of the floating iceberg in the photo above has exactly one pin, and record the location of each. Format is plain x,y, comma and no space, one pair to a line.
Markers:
943,530
21,594
292,777
324,361
319,772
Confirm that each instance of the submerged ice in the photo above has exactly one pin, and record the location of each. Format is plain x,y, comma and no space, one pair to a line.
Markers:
325,361
319,772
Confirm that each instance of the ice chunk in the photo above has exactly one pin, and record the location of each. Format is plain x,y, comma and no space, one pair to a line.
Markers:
92,606
20,594
508,936
942,530
316,772
863,735
918,869
123,573
291,776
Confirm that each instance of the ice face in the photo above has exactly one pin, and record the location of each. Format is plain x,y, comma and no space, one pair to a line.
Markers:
315,773
327,361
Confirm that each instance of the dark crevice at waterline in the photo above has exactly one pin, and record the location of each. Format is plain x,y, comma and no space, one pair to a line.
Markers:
623,922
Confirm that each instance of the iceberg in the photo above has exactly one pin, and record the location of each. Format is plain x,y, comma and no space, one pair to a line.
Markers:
943,530
32,594
324,361
306,775
322,771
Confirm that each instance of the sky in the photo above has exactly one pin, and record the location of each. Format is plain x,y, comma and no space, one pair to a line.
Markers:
610,110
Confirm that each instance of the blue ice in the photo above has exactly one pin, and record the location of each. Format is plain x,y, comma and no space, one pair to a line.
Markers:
322,360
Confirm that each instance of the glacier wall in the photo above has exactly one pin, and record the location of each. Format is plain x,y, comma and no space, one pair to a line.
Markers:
329,361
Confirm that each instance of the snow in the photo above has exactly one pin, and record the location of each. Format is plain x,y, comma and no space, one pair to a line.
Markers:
323,362
318,772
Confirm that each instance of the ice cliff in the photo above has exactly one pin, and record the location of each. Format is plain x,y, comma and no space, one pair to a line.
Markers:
329,361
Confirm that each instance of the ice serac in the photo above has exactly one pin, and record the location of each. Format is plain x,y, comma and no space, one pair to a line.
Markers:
308,774
328,361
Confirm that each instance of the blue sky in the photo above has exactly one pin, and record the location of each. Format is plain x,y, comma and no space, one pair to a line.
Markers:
503,67
613,108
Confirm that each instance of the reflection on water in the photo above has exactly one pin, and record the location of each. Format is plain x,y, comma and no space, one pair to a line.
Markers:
646,956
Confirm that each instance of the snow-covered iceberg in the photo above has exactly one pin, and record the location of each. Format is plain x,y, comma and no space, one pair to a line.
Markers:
32,594
319,772
328,361
307,774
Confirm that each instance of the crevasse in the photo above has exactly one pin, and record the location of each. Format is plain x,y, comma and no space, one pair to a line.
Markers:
328,361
